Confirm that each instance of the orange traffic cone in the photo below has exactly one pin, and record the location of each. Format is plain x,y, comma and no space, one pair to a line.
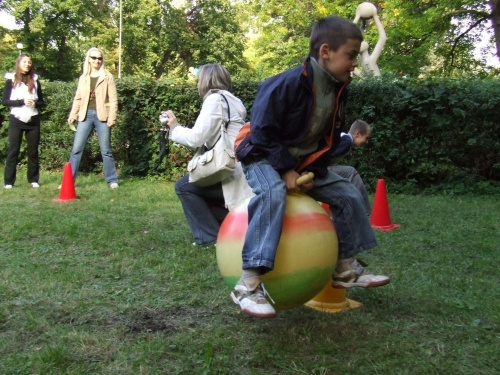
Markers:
332,300
67,187
381,219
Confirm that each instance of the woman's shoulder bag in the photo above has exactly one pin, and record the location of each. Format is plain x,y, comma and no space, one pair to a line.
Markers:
213,165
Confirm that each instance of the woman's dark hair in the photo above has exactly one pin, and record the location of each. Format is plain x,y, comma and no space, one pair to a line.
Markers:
20,77
334,31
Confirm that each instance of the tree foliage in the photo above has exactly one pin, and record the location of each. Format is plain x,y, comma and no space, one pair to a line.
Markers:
51,31
423,37
158,38
255,38
281,30
433,37
495,20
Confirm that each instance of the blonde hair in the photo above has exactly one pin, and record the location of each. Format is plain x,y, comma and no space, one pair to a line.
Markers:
87,69
360,126
213,76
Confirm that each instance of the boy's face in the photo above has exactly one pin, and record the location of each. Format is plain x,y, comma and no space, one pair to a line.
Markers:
361,139
342,62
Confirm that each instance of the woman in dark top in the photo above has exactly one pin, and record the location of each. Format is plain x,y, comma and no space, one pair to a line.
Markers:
23,94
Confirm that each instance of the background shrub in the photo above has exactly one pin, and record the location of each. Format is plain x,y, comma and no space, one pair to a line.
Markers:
439,134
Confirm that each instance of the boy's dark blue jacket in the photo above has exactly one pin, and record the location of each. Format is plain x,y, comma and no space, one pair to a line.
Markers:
280,117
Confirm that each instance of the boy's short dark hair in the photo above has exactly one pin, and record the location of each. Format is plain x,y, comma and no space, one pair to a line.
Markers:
333,31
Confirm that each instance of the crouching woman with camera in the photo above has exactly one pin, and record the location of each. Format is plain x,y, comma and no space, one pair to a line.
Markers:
205,207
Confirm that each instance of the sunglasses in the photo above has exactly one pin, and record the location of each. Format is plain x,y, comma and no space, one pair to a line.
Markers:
96,58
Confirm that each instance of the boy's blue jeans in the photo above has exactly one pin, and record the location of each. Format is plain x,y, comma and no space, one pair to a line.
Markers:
82,134
267,208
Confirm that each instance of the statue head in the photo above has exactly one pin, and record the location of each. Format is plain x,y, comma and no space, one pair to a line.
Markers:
366,10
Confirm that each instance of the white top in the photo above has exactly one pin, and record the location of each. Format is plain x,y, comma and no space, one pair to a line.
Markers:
23,113
206,131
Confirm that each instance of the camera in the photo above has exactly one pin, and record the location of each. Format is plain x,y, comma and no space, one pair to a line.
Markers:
163,121
163,118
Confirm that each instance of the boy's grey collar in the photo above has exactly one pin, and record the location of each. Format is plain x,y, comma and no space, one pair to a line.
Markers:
321,73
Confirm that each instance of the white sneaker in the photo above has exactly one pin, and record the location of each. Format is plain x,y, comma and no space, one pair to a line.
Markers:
35,185
250,295
7,187
356,276
113,186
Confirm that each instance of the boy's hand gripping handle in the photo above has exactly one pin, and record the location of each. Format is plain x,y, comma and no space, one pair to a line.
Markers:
305,178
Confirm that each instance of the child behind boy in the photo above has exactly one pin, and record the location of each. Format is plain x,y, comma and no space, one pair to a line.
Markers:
358,135
296,121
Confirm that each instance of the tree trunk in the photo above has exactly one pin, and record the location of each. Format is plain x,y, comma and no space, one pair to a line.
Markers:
495,19
61,51
160,68
26,18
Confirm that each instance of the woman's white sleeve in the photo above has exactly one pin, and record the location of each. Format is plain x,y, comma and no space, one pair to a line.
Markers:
206,128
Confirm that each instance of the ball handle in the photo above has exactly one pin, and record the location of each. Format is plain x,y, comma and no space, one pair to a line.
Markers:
305,178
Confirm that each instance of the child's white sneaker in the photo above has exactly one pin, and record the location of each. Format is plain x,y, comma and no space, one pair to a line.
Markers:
354,275
250,295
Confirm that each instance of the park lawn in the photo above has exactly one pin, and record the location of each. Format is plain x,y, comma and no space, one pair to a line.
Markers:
110,284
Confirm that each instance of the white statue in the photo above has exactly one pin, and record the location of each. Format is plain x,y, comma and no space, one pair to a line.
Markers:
365,11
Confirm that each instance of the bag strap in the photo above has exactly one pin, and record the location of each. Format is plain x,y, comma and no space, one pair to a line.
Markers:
222,128
164,146
228,111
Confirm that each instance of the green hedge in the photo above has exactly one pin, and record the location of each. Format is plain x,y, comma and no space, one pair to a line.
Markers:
440,134
434,134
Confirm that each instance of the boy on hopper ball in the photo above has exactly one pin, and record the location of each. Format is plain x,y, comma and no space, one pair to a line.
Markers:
296,123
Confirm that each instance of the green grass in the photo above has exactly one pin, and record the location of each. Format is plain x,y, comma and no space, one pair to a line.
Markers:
111,284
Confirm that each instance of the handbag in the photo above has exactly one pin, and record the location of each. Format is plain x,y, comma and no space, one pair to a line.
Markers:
210,166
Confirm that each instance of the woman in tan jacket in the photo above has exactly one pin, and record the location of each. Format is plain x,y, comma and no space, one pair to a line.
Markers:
94,106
